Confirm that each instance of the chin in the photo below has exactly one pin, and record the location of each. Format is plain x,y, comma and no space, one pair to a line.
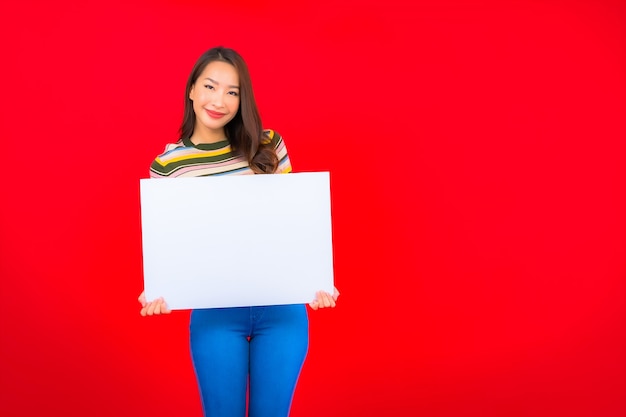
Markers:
213,125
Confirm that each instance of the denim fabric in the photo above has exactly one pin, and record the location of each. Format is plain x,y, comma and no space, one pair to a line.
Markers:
263,345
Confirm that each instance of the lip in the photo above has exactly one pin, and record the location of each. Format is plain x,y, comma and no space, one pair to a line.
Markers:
215,114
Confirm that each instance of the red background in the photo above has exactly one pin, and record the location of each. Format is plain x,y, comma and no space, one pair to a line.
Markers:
478,164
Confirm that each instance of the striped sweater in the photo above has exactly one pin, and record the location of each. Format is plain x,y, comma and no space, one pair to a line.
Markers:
184,159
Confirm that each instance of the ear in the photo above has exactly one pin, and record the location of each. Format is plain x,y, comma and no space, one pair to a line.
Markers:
191,92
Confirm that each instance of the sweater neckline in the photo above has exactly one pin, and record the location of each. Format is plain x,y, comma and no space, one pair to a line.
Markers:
206,146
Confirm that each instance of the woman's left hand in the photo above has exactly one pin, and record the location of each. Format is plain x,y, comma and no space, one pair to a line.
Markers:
324,299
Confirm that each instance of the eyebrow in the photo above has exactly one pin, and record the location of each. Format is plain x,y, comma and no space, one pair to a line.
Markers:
215,82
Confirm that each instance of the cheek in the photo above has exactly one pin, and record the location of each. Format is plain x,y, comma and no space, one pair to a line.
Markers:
234,105
199,100
198,97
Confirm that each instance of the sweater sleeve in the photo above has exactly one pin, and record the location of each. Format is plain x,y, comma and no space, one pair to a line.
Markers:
284,163
159,168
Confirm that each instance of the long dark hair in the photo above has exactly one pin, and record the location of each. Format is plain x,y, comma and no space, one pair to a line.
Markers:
245,130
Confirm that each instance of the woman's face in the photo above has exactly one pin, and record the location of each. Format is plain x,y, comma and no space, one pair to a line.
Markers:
215,97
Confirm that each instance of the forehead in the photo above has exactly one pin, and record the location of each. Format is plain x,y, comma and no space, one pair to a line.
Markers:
222,72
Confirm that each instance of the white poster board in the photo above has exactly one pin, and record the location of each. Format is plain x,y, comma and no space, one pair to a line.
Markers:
231,241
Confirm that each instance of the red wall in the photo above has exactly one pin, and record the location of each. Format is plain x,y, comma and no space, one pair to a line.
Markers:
478,163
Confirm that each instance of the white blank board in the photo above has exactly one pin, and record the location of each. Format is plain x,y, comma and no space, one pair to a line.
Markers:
233,241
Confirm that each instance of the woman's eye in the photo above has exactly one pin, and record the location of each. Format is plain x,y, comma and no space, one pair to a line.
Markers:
209,86
233,93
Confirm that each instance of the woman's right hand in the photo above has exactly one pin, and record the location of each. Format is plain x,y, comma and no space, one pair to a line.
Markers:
157,306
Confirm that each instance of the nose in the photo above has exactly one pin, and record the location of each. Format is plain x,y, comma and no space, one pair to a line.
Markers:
218,100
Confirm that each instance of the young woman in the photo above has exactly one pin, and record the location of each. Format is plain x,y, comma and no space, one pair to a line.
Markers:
222,134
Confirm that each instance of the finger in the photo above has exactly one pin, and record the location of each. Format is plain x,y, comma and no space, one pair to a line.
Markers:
331,299
328,301
314,305
151,306
322,299
335,294
144,310
319,298
163,309
159,305
142,299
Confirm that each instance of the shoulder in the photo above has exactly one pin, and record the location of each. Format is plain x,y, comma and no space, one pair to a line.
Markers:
169,148
172,151
172,147
271,136
275,139
277,142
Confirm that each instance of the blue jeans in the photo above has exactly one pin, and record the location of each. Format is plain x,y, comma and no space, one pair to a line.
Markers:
263,345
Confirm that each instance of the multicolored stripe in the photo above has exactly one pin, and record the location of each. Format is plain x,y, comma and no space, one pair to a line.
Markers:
184,159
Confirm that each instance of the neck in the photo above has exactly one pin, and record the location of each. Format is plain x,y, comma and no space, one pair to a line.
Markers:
203,135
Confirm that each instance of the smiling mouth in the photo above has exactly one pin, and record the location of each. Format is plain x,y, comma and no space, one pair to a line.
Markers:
215,115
